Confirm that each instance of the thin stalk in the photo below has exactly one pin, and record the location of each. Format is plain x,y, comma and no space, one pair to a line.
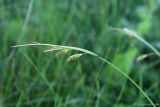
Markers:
130,79
142,40
95,55
60,46
133,34
148,44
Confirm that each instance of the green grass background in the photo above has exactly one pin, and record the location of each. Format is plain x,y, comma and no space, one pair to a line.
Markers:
29,77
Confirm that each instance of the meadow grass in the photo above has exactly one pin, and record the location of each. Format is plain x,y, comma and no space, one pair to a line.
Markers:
29,77
64,50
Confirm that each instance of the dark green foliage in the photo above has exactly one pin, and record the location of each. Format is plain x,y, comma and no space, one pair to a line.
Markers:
29,77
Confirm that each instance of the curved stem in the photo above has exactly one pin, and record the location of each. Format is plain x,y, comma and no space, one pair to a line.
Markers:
95,55
116,68
148,44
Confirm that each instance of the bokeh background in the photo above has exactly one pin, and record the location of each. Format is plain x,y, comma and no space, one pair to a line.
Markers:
29,77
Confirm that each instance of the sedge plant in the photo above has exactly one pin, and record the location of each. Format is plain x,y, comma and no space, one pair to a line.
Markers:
62,50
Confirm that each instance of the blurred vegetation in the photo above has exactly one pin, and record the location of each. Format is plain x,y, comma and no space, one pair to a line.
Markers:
29,77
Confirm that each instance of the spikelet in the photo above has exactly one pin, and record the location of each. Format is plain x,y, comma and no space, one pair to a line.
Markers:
62,52
129,32
74,57
53,49
144,56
